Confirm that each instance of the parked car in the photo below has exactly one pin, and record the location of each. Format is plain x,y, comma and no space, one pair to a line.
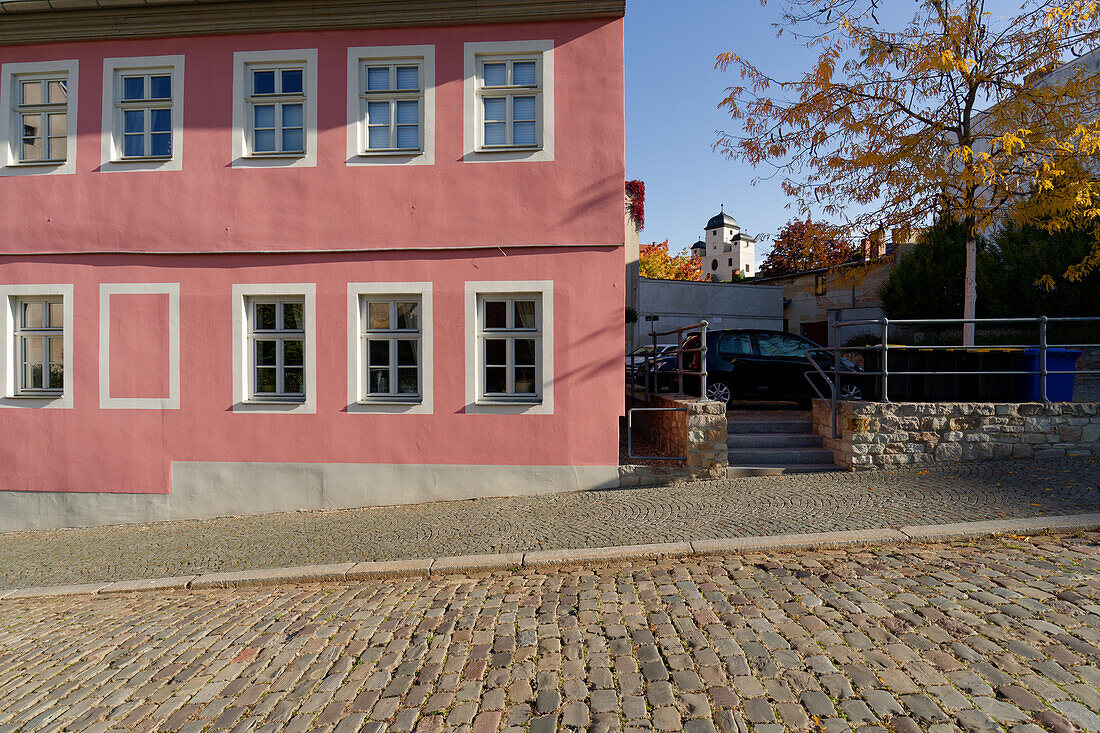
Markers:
756,364
637,358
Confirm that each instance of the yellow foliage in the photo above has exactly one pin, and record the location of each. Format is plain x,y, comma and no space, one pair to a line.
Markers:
955,114
656,263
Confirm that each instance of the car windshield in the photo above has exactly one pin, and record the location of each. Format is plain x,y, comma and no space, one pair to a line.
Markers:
641,350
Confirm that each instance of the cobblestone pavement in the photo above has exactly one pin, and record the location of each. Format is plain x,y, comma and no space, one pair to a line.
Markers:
987,636
687,511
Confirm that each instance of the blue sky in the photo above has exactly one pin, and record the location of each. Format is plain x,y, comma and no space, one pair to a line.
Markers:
672,115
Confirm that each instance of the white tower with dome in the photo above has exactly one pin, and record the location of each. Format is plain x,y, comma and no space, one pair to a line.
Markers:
725,250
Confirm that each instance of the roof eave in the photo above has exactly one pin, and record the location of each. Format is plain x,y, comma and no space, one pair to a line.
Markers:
51,21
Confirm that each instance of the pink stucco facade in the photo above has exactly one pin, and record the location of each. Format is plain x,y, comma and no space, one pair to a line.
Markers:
190,236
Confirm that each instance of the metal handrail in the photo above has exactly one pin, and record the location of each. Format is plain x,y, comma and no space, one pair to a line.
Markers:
884,347
679,371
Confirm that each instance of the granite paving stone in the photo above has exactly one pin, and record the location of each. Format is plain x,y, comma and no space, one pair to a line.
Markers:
566,647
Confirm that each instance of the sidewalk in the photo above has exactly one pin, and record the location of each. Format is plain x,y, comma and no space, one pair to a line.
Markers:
686,512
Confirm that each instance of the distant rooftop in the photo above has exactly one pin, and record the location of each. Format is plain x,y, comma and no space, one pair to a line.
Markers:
722,219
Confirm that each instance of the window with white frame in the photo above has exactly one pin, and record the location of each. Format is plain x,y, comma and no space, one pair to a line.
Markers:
38,106
276,106
143,113
40,345
391,343
509,346
42,118
509,101
275,109
392,105
276,348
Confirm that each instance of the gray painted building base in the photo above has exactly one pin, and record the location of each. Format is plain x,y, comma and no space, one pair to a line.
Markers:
205,489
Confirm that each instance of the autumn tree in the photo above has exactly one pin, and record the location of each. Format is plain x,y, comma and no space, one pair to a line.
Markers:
957,113
656,263
804,244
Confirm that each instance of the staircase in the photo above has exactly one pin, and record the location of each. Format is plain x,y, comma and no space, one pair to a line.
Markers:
762,445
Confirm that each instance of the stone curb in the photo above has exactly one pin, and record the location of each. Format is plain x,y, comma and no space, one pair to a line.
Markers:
548,558
967,530
820,540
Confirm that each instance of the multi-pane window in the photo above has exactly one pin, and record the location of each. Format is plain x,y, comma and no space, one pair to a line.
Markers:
144,104
510,346
391,343
510,98
392,101
40,345
276,335
276,109
41,115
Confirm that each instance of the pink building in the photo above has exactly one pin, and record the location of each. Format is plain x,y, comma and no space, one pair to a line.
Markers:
306,255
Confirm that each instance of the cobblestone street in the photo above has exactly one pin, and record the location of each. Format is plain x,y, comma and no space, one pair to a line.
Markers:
983,636
765,505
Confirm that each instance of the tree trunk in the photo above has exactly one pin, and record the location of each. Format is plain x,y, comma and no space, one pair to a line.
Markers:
970,289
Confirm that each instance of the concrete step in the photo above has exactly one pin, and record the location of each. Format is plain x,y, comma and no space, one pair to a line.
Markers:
769,426
773,440
778,469
778,456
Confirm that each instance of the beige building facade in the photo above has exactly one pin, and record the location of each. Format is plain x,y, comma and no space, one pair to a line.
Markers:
814,299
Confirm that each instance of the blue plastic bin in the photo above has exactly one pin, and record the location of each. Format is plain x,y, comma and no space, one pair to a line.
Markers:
1059,386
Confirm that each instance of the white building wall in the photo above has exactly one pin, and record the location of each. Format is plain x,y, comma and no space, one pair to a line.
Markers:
679,303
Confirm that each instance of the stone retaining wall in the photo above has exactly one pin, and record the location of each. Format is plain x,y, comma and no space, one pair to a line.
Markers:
699,433
877,434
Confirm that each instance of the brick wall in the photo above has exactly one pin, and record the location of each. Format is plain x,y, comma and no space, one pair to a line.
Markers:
878,435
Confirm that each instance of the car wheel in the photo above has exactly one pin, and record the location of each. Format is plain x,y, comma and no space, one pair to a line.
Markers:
719,391
850,393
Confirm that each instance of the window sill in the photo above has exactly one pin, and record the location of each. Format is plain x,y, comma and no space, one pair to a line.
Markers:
38,163
491,402
510,149
44,396
368,402
275,401
391,153
143,159
274,156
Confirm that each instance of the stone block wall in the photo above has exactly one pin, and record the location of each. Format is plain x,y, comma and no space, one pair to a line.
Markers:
698,433
879,434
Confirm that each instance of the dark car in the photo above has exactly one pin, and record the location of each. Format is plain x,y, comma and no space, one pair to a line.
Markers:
755,364
636,359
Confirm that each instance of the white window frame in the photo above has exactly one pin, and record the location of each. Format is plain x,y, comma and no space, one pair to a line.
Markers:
10,298
172,401
276,100
474,56
45,333
358,58
10,134
358,399
475,295
243,63
111,158
244,295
